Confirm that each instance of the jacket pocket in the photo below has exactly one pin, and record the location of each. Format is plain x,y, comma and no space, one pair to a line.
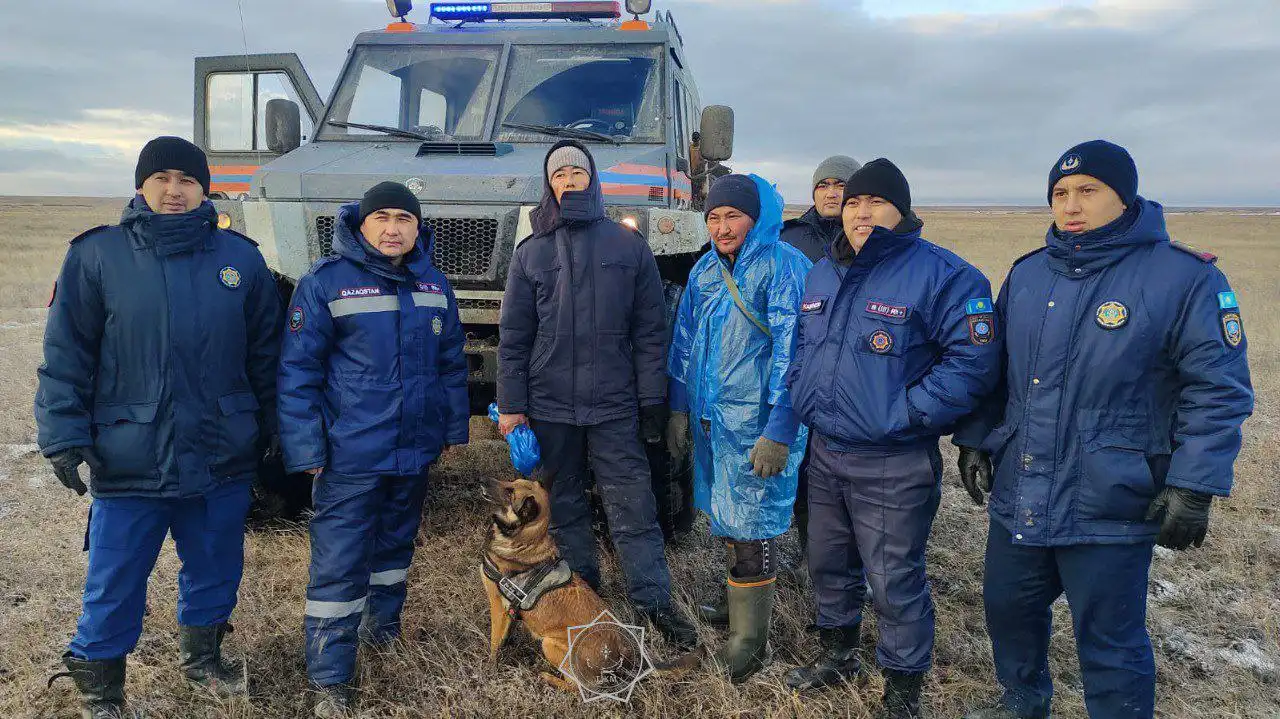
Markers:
1116,483
237,428
997,444
125,438
542,344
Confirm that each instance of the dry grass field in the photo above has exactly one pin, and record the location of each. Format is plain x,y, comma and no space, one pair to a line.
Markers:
1215,612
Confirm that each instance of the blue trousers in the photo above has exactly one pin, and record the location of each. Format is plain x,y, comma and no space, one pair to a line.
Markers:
872,514
622,479
1106,587
361,546
124,539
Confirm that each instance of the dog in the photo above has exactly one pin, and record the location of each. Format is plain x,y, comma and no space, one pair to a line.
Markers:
520,554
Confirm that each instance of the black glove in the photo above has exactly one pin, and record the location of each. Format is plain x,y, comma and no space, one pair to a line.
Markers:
653,422
271,449
1185,517
66,464
975,472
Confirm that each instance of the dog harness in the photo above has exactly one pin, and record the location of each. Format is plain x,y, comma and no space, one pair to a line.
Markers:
522,590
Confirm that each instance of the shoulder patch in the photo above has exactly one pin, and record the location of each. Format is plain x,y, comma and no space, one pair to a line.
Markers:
1196,253
246,238
88,232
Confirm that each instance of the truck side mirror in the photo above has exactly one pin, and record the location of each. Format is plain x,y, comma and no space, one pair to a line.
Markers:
639,7
716,133
284,126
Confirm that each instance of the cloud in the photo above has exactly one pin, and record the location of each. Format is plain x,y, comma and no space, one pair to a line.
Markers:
973,107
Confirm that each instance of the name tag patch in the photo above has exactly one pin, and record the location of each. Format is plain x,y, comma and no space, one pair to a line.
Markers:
812,305
431,287
897,312
359,292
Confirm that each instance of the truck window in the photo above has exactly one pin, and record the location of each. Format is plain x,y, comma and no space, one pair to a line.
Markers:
433,89
237,105
682,141
611,89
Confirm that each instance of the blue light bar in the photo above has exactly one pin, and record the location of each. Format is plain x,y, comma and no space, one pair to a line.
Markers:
475,12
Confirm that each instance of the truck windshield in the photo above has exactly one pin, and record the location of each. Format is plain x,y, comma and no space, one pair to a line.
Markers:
435,90
613,90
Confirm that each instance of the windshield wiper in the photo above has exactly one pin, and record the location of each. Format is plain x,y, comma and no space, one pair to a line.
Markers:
388,130
561,131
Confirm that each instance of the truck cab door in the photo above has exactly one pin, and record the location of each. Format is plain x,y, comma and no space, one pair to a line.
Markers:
249,110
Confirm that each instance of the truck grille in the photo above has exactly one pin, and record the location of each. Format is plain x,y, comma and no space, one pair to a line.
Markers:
464,245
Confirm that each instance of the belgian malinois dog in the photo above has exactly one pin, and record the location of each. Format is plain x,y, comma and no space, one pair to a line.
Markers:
518,546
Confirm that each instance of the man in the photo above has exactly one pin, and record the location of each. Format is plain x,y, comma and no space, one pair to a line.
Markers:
811,233
1126,383
582,335
732,344
373,386
159,374
896,343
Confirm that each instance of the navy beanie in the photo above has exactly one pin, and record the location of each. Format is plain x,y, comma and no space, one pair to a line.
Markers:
736,191
171,153
1104,160
389,196
880,178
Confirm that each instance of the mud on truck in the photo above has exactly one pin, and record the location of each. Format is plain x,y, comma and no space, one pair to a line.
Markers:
462,109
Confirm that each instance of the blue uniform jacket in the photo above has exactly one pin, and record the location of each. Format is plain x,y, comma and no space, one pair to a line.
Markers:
894,347
810,233
1125,371
373,379
583,331
160,353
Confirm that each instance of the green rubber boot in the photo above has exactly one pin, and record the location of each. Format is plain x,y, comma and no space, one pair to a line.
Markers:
747,650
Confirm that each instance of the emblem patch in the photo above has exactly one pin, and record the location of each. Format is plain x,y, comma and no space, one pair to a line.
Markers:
359,291
1232,328
880,342
1112,315
896,312
1070,163
978,306
230,277
812,306
296,319
1228,301
982,329
431,287
437,325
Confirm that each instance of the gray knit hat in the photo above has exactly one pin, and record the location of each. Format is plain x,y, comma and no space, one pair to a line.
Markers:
567,156
840,167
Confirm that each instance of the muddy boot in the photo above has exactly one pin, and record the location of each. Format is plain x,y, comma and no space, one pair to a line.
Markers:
333,701
715,612
838,661
671,624
902,694
101,685
747,650
201,651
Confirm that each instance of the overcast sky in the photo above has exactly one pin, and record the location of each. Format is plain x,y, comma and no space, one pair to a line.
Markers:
974,99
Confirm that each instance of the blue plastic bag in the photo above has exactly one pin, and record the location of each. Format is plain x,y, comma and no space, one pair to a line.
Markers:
525,454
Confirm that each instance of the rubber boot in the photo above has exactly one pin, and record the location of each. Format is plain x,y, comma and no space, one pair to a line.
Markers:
838,661
747,650
902,694
715,612
101,685
333,701
201,651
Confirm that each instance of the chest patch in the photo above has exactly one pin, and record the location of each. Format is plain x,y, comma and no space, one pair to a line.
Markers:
880,342
1111,315
437,326
229,276
346,292
1232,328
812,305
297,318
431,287
897,312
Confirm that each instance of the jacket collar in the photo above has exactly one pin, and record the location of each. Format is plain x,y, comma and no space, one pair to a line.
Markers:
582,207
1081,254
168,234
881,244
350,244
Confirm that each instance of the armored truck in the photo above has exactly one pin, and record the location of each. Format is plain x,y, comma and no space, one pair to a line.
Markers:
462,109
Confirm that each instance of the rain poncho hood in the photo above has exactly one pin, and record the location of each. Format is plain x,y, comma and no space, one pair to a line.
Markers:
729,375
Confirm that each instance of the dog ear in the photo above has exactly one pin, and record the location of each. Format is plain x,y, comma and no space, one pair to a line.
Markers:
528,510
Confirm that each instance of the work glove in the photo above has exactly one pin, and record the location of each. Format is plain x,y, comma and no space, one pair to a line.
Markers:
1185,515
678,438
653,420
271,449
975,473
66,467
768,457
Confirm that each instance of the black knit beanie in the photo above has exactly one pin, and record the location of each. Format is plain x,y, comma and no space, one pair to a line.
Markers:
171,153
881,178
1107,161
736,191
389,196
